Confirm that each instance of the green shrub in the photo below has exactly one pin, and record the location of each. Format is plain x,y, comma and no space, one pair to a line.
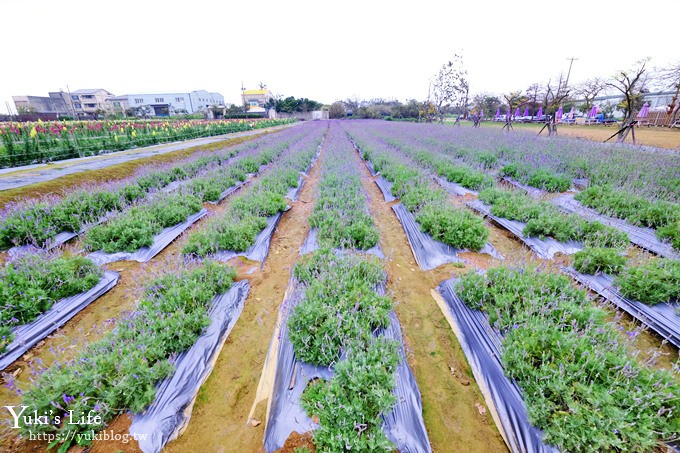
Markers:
31,284
454,227
594,260
550,182
487,160
581,385
652,283
358,393
670,233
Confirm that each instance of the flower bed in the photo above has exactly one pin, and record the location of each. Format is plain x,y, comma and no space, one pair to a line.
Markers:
339,314
340,212
581,384
28,143
545,220
136,227
119,372
31,284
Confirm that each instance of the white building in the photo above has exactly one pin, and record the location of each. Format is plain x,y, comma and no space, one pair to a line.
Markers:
165,104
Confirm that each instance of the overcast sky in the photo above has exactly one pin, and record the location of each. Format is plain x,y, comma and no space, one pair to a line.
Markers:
321,50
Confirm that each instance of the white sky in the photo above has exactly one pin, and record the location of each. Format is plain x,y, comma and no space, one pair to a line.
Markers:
321,50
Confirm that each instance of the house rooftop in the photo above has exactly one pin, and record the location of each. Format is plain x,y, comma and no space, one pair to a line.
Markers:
89,91
255,91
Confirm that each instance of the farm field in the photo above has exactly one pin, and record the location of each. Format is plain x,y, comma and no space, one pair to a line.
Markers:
367,284
40,142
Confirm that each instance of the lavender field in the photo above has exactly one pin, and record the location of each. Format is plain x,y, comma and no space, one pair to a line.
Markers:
298,258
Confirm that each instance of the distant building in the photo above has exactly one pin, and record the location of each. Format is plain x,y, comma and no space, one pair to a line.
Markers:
166,104
90,103
256,100
48,107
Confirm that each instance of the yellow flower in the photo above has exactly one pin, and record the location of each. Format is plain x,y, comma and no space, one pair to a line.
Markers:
115,137
134,134
34,133
153,133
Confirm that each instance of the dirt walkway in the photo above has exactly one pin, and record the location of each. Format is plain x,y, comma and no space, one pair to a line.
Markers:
451,398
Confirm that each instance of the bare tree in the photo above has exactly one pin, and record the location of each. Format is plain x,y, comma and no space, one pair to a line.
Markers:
514,100
670,78
588,90
449,87
532,95
553,98
631,83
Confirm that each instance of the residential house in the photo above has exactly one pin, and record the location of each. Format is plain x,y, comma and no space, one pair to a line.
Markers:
256,100
90,103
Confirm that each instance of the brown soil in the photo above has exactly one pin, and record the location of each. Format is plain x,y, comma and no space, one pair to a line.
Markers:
297,440
649,136
114,172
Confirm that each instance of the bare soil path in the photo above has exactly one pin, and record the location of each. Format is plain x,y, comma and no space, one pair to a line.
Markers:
451,398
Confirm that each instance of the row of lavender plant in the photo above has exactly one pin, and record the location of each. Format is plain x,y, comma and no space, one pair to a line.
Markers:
119,372
38,221
582,384
543,219
247,215
32,283
653,282
662,215
428,203
340,213
334,323
136,227
337,316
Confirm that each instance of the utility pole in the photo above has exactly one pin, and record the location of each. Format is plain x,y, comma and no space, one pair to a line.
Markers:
70,101
571,62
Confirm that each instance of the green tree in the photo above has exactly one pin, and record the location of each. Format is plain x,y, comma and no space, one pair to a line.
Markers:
337,110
